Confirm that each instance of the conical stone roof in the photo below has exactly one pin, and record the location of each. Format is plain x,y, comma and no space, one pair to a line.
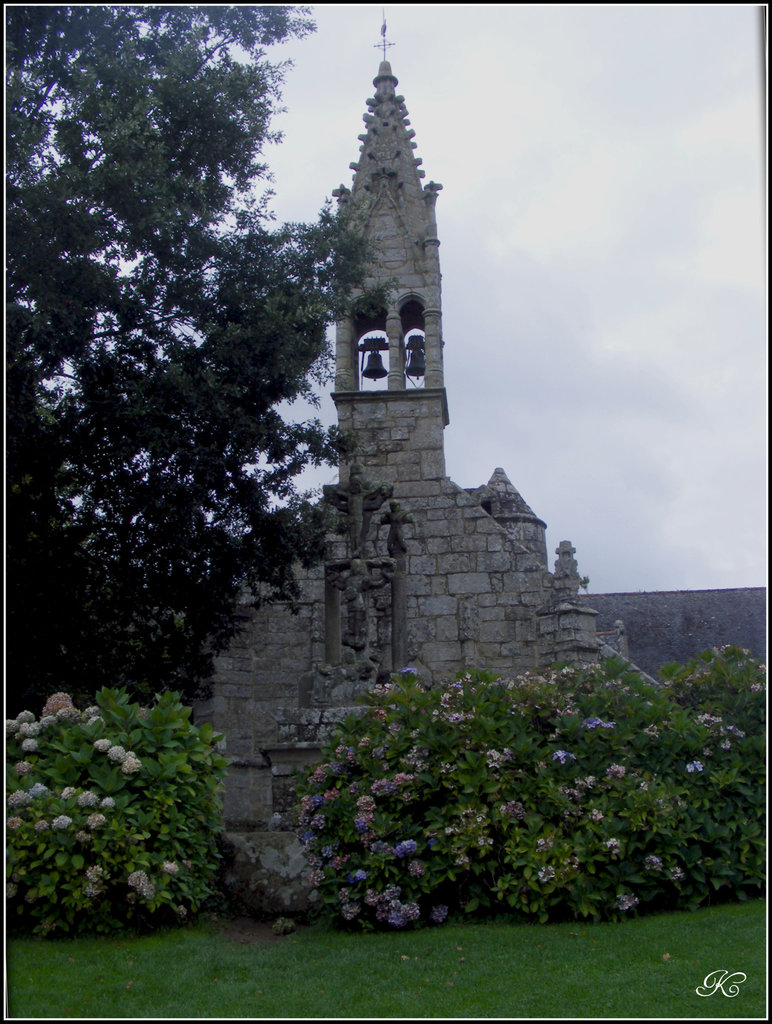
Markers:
507,500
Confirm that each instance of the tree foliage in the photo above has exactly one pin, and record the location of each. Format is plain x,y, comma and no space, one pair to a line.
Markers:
157,323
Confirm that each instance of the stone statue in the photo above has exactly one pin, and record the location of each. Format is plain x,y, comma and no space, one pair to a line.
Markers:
395,519
566,565
361,578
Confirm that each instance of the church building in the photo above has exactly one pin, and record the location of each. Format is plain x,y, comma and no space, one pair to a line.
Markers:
423,573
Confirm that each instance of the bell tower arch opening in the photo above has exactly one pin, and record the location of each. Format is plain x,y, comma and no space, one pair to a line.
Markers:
370,350
413,341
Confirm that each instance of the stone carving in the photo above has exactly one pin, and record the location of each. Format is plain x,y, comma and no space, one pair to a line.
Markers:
566,579
621,638
355,578
357,501
395,519
338,686
566,565
351,666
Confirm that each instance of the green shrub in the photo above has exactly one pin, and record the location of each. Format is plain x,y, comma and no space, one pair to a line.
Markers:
113,815
564,794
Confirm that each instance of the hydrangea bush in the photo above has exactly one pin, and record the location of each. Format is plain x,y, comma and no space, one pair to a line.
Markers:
113,815
585,794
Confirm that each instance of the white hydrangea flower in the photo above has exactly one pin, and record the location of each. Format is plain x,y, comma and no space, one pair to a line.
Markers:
138,880
131,763
68,714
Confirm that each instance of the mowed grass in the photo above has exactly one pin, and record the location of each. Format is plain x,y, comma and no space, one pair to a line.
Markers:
647,967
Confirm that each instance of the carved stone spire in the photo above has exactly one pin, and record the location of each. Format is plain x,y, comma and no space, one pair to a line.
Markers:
398,213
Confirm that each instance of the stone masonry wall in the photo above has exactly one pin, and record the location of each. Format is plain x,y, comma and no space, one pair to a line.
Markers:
472,595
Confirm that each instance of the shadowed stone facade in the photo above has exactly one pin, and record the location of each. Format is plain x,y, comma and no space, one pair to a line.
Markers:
423,569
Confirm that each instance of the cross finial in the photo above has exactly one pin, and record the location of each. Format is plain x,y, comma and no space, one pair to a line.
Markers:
383,43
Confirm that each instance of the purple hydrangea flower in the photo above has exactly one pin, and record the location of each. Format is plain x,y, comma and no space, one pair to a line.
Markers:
405,848
563,756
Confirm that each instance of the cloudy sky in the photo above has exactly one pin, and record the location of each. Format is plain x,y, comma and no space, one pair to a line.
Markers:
602,229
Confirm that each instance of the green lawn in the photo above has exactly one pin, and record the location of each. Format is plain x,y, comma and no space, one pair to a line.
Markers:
649,967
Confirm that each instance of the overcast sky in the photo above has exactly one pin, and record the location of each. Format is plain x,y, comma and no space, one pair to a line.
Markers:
602,228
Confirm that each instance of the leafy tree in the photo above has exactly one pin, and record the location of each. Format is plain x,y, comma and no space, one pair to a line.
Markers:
157,320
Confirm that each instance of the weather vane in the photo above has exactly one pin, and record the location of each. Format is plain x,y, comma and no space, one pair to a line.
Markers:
383,43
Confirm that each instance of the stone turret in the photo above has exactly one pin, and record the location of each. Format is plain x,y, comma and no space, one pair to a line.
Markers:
501,500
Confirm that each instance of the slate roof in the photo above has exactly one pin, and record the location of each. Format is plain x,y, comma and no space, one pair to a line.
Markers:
668,626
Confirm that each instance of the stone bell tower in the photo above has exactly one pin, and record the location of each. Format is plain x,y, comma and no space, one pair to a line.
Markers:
389,384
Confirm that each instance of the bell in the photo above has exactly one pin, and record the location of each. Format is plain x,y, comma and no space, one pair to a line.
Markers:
416,358
374,368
